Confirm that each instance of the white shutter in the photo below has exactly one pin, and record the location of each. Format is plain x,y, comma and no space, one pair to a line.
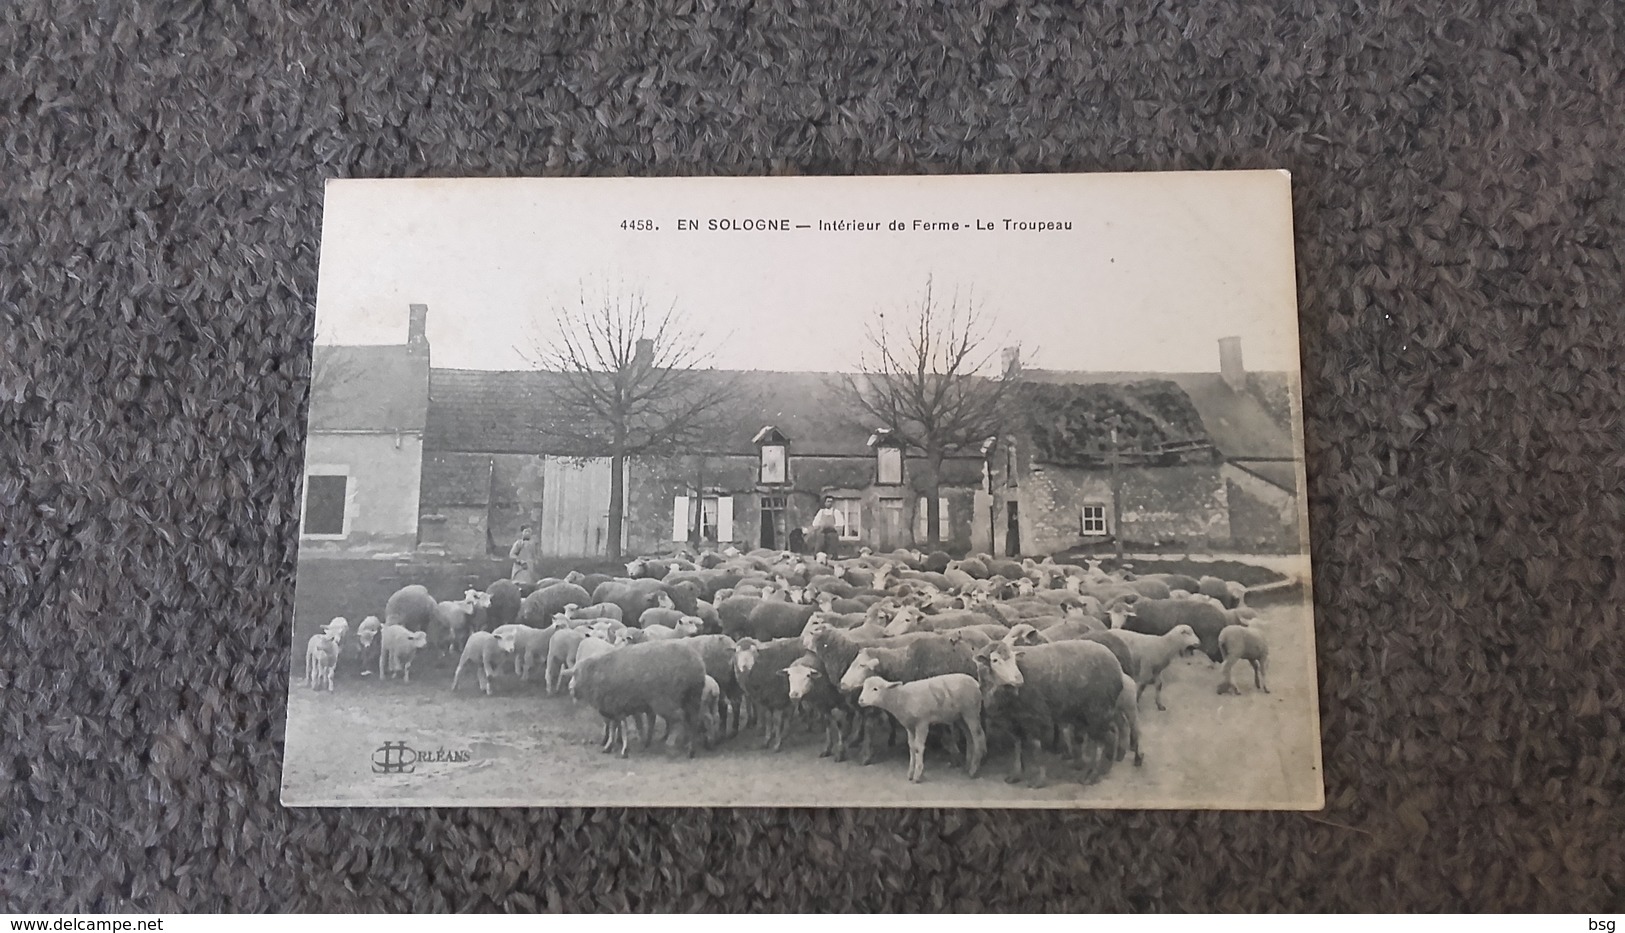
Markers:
725,519
679,518
921,517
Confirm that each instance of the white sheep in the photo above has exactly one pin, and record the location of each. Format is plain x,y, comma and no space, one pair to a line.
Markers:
321,658
397,645
946,698
1153,653
1242,643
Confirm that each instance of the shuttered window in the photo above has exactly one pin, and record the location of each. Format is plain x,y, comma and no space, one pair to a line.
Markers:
715,515
921,517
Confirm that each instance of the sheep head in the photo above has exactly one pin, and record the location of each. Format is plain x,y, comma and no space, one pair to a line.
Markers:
369,629
634,568
1120,615
902,621
1022,634
801,677
996,667
874,691
506,640
688,626
1184,638
863,667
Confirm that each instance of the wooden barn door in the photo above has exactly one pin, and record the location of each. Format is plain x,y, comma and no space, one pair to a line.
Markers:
575,508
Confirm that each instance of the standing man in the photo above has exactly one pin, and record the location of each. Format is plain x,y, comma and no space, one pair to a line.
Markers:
827,526
523,555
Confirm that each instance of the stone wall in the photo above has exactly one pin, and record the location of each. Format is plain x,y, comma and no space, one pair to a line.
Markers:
1264,518
1160,505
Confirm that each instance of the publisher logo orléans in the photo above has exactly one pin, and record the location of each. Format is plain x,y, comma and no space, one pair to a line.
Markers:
400,758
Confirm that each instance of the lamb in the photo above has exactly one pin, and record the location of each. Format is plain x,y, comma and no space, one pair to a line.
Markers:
659,678
1153,653
717,652
1242,643
686,627
758,666
666,615
488,650
919,660
530,646
1038,690
321,658
946,698
365,651
397,646
810,688
454,618
1128,711
561,655
600,611
1161,616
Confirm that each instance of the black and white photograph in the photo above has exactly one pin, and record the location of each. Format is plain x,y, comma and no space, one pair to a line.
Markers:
918,491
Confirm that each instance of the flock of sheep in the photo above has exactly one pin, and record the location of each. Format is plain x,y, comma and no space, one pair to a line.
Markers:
1054,656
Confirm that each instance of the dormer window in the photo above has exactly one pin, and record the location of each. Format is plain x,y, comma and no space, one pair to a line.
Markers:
775,456
888,457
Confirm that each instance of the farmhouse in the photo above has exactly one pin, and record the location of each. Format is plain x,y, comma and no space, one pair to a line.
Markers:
453,461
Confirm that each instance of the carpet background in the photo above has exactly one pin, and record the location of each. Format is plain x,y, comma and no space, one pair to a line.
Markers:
1459,206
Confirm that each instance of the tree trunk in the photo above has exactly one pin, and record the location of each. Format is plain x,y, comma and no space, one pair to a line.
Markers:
617,504
933,493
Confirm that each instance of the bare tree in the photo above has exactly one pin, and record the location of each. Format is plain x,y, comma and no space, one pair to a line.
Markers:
639,382
922,376
332,369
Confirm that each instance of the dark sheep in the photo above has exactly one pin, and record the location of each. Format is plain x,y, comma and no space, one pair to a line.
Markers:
935,562
759,668
778,620
717,652
1161,616
539,607
812,691
976,568
1008,569
1220,590
504,608
921,658
1119,649
734,612
632,599
1035,692
410,607
659,678
1176,581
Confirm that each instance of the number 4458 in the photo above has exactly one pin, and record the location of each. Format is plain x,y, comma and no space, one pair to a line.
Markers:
638,225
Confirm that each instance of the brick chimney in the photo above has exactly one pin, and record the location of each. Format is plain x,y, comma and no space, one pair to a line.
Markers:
1010,361
417,323
1231,368
644,357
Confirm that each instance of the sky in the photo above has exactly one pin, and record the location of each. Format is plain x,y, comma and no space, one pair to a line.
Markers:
1155,268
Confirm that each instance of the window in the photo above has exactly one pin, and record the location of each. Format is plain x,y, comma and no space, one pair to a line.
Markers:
715,515
1094,519
327,501
774,463
889,465
921,533
852,518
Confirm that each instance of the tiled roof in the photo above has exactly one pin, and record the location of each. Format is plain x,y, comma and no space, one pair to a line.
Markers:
1237,422
515,412
368,388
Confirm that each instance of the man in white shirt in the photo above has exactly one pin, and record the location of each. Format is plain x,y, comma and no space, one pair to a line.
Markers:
827,526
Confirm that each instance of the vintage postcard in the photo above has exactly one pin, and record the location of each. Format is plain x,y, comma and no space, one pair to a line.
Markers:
981,491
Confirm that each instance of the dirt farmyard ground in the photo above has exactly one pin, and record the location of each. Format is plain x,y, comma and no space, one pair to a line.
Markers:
523,747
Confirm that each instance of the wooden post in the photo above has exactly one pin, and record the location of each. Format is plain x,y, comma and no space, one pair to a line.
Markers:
1117,497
